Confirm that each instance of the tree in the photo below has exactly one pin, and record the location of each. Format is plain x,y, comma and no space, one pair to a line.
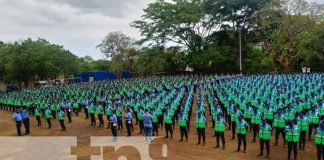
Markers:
22,60
280,25
115,44
183,22
119,48
192,23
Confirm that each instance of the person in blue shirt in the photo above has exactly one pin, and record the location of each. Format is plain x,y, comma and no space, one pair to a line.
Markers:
68,109
25,118
113,125
128,122
18,119
85,104
147,122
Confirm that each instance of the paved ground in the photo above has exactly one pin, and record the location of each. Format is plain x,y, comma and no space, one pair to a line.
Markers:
176,150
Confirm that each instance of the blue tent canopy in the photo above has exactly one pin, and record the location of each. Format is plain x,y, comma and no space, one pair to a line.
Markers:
97,75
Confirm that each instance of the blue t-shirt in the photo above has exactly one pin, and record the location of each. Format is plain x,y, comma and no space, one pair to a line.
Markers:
17,117
113,119
128,116
24,114
147,120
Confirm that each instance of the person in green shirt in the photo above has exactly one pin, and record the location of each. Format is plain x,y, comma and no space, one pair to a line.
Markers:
48,116
220,125
241,129
37,115
292,135
279,124
140,119
61,119
303,123
53,110
268,114
108,111
183,121
264,136
319,141
99,111
91,111
119,116
201,127
235,113
313,116
168,124
155,121
248,115
255,121
75,107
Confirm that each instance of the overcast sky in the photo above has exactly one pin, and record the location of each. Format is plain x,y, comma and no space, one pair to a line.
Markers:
78,25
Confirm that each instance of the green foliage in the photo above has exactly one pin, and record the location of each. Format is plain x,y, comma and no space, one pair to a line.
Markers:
22,61
258,62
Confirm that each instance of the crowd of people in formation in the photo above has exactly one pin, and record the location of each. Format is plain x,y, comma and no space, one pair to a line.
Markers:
267,106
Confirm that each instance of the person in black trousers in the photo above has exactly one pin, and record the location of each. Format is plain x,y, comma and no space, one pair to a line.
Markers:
183,121
25,118
17,118
128,122
61,119
319,131
86,106
38,118
241,133
69,112
113,125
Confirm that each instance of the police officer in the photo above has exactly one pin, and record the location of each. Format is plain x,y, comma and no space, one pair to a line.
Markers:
68,108
319,141
48,116
303,123
128,122
241,129
183,121
25,118
85,104
201,127
279,124
292,136
37,115
61,119
18,119
113,125
220,125
264,135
